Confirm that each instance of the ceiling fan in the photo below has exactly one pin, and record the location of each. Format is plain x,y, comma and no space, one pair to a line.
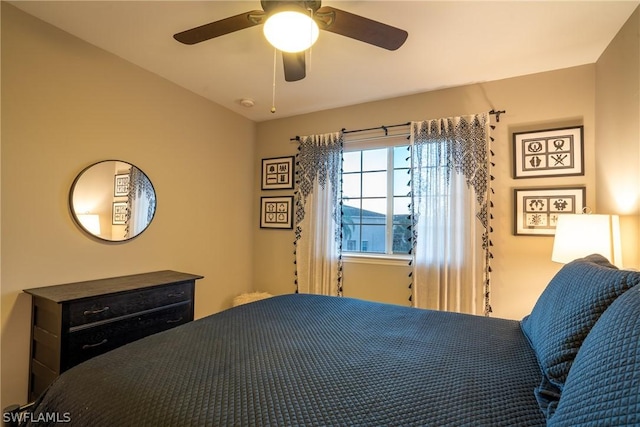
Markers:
325,18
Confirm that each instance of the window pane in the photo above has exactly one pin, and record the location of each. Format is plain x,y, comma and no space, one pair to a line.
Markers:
351,185
351,161
401,239
401,157
372,238
374,184
401,206
374,211
350,237
401,182
351,211
374,160
350,245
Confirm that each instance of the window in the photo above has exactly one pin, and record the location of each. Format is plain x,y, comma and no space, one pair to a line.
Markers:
375,192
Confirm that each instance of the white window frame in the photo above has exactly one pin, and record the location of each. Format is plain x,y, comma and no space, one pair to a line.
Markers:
388,257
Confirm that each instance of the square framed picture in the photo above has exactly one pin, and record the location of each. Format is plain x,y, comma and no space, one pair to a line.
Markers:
121,185
277,173
276,212
537,209
119,213
546,153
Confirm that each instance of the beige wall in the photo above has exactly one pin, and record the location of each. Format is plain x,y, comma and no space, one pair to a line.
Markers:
618,135
67,104
382,281
522,265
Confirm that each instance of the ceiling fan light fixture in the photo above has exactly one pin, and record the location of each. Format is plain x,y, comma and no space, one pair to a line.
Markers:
291,31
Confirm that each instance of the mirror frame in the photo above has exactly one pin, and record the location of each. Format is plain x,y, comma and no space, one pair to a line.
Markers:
74,214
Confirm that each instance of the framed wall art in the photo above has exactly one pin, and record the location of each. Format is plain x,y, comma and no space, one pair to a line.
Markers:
119,213
121,185
277,173
537,209
546,153
276,212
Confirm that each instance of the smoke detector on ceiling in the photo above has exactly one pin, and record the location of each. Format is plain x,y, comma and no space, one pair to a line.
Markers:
247,102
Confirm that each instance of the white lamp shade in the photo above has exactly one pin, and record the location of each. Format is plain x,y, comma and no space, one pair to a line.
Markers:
291,31
91,222
579,235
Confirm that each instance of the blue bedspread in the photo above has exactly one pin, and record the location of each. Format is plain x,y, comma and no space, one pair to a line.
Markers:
306,360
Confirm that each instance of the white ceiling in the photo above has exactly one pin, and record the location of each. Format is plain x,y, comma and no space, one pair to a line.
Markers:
450,43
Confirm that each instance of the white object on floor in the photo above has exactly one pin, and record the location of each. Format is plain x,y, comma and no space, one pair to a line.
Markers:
250,297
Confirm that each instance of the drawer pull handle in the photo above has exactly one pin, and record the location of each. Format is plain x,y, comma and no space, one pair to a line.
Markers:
175,294
100,310
88,346
175,320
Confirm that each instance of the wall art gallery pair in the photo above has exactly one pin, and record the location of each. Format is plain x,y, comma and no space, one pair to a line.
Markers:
544,154
120,208
277,174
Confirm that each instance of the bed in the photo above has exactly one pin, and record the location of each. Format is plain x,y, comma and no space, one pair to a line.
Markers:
309,360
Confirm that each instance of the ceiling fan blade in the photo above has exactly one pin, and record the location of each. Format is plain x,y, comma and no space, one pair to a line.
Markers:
360,28
294,66
221,27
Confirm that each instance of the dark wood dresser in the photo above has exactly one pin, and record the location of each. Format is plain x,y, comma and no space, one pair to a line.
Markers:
77,321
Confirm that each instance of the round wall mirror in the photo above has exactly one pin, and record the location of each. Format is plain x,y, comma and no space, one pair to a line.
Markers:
112,200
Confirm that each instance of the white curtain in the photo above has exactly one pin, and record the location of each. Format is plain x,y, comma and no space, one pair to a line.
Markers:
142,202
318,214
450,211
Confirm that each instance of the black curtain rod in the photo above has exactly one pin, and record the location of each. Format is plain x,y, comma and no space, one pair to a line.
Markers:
386,127
383,127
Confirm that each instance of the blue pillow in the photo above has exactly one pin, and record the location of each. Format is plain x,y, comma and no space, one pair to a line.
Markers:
567,310
603,386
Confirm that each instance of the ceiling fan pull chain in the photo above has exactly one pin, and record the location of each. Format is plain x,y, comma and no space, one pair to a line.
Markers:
310,35
273,93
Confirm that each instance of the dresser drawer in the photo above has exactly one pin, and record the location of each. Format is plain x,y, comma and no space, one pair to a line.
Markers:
112,306
86,343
